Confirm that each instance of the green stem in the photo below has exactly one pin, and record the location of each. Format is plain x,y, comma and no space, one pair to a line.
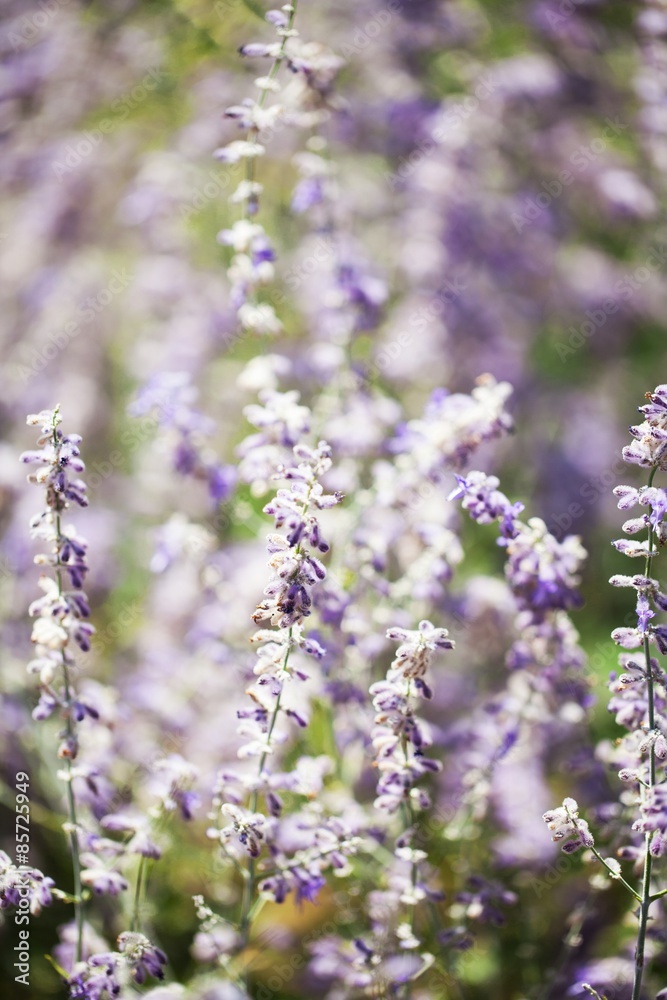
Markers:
253,133
409,816
76,863
614,874
71,802
249,884
135,923
247,908
645,898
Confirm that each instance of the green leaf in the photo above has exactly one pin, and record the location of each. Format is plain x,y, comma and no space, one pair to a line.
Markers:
59,969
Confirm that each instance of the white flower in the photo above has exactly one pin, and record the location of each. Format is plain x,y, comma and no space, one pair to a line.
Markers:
245,190
414,654
240,149
261,318
241,235
49,633
266,83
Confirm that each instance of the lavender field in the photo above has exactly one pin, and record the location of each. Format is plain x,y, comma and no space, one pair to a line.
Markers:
326,674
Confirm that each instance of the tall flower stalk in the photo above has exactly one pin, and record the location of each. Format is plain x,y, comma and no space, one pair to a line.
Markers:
248,805
61,613
252,264
305,106
400,740
640,691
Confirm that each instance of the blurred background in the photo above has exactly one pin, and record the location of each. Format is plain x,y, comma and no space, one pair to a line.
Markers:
501,190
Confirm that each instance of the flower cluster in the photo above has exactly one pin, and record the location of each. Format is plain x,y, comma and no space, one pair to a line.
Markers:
302,850
547,694
542,571
566,825
639,692
400,737
281,422
395,955
432,222
303,105
108,974
649,447
17,883
486,503
61,614
295,551
455,424
168,398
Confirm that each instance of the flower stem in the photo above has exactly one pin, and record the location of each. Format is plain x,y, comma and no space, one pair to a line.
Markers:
253,133
646,899
135,923
249,884
76,863
71,802
615,875
247,909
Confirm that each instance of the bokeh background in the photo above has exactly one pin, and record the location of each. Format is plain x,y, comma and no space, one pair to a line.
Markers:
502,195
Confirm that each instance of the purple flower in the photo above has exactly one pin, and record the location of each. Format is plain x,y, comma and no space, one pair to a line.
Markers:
97,980
24,883
104,881
543,572
485,503
400,737
142,957
454,425
307,194
649,446
644,613
483,900
60,613
566,826
170,395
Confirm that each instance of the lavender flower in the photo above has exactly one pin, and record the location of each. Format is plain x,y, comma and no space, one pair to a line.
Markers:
108,974
650,444
24,882
171,396
454,425
281,421
251,266
61,612
486,503
566,825
639,693
400,737
542,572
286,855
142,958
